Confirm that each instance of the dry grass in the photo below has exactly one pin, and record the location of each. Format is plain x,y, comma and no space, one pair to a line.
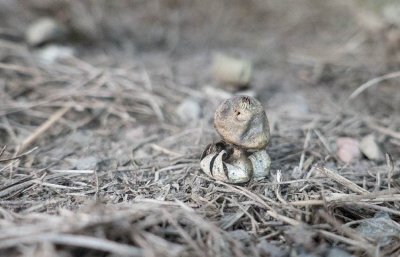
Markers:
94,160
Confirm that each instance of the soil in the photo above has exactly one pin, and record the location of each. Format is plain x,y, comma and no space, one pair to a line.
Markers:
97,159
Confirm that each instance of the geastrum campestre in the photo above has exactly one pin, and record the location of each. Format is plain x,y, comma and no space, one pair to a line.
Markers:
240,155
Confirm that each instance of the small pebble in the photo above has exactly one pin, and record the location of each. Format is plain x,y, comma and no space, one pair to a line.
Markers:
370,148
347,149
53,53
266,248
391,13
380,228
233,71
43,31
337,252
189,110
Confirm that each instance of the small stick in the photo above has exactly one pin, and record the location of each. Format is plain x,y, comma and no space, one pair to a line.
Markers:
346,240
44,127
383,130
323,140
99,244
165,150
18,68
346,198
73,171
351,233
181,231
372,82
341,180
2,150
18,156
14,188
390,166
285,219
303,153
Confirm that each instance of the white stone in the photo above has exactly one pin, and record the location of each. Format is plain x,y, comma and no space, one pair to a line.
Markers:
189,110
42,31
370,148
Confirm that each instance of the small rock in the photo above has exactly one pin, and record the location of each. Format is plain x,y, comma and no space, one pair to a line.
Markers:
133,134
347,149
337,252
233,71
189,110
52,53
268,249
297,173
370,148
241,235
289,103
305,254
391,13
44,30
84,163
380,228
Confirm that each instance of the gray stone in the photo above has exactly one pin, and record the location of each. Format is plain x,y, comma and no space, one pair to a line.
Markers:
380,228
337,252
53,53
189,110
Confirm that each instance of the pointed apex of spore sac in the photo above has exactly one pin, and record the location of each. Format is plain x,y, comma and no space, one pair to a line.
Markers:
241,121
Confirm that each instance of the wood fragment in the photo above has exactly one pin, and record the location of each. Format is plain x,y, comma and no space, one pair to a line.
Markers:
344,230
373,82
44,127
358,244
383,130
76,240
341,180
390,167
3,150
285,219
338,199
19,156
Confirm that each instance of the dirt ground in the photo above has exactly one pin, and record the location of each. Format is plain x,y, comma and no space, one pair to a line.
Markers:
100,147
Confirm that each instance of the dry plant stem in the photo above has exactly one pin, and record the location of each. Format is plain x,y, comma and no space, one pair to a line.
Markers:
375,207
15,188
346,240
305,146
345,230
341,180
285,219
181,231
76,240
383,130
2,150
254,223
18,68
18,156
346,198
44,127
390,167
323,140
165,150
373,82
73,171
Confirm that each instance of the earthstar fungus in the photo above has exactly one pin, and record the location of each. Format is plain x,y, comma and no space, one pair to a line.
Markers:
243,126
